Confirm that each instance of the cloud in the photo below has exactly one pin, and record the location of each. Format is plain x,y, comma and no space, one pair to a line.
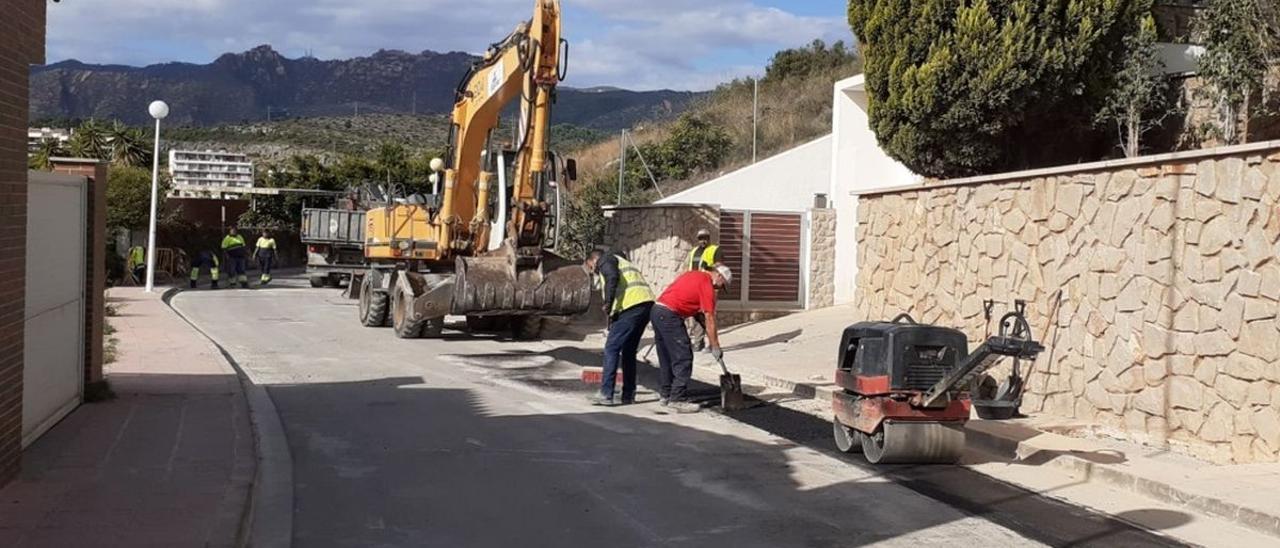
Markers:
678,44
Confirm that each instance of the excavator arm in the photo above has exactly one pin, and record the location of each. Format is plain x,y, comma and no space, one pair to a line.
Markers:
524,66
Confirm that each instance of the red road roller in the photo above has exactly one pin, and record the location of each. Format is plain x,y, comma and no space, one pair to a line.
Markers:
905,386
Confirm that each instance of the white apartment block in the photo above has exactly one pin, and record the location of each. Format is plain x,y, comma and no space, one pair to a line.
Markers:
203,174
38,135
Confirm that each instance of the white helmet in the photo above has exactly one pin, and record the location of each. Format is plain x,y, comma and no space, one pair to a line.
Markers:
725,273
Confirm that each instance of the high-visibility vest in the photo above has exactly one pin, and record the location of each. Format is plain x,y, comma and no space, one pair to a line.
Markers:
705,262
633,290
232,242
137,256
266,243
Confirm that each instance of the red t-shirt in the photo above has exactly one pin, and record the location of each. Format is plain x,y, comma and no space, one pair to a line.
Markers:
691,293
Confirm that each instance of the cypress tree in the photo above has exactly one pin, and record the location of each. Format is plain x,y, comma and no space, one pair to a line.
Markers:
963,87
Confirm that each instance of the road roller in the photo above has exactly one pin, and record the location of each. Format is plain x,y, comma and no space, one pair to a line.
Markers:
904,394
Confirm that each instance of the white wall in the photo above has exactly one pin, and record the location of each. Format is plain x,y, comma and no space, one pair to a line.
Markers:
785,182
53,362
857,164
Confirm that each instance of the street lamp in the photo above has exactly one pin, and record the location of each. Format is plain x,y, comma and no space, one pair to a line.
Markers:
158,110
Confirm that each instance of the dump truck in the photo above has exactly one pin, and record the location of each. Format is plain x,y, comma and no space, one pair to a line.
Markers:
335,245
477,245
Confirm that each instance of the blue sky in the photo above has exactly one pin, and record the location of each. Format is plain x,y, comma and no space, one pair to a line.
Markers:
637,44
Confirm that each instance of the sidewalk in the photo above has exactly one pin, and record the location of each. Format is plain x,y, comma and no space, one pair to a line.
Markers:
169,462
791,361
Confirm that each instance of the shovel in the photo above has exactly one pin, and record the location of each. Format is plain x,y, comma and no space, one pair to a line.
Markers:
731,397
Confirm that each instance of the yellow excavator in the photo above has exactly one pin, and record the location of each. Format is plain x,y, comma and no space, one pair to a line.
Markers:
476,246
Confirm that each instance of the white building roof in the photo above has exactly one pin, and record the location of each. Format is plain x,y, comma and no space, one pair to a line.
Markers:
785,182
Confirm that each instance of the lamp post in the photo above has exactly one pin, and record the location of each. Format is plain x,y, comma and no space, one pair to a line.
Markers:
158,110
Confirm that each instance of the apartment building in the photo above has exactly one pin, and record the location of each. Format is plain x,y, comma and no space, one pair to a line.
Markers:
38,135
202,174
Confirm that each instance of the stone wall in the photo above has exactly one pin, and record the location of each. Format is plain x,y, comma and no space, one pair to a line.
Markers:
1154,285
822,258
658,238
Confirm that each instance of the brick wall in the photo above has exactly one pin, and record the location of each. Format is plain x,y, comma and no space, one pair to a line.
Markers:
95,282
1167,327
21,44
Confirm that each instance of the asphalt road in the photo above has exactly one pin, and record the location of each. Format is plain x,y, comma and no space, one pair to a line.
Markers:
476,441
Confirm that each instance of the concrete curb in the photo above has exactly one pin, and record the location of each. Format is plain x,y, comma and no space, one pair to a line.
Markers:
1011,448
268,518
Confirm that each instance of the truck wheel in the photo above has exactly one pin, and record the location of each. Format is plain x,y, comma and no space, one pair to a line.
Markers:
332,280
318,281
526,328
373,304
402,314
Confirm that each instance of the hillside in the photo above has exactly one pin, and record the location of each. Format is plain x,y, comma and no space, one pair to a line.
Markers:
794,108
336,136
712,138
239,88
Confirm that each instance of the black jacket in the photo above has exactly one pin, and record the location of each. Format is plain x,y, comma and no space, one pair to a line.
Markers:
608,268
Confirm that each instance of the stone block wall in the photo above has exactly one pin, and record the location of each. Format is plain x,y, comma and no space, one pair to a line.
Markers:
1154,284
658,238
822,258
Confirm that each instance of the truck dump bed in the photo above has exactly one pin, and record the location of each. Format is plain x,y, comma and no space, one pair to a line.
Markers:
333,226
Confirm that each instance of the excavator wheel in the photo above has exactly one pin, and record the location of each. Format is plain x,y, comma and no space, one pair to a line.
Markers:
914,442
402,316
848,440
526,328
373,304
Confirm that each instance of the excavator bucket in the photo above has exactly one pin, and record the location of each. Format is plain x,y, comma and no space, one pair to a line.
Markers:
495,285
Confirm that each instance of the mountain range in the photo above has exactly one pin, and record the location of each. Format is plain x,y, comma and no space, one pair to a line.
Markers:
250,86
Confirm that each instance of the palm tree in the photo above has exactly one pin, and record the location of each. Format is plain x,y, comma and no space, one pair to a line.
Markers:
41,158
89,141
128,145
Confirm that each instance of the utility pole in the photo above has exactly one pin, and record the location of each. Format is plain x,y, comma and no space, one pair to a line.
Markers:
622,163
357,109
755,116
415,103
268,114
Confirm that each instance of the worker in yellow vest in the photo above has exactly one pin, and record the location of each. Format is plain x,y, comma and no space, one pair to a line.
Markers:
237,255
706,257
265,253
138,262
205,260
628,300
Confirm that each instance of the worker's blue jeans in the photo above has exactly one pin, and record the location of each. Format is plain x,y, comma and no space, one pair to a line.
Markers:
675,353
620,349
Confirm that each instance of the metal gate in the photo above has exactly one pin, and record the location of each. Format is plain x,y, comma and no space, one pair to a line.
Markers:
53,366
765,251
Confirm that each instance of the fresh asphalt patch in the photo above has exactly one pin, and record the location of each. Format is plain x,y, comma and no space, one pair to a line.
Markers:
1036,516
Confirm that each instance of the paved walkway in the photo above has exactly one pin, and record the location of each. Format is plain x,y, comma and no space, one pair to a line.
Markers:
792,360
169,462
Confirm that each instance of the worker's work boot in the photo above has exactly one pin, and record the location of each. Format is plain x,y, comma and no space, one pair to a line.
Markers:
599,400
213,285
684,407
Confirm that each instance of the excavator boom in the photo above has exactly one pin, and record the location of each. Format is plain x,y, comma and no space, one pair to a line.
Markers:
450,235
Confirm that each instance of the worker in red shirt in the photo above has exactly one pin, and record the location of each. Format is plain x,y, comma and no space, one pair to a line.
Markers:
692,293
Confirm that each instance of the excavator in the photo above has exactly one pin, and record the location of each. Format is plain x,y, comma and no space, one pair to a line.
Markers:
477,246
